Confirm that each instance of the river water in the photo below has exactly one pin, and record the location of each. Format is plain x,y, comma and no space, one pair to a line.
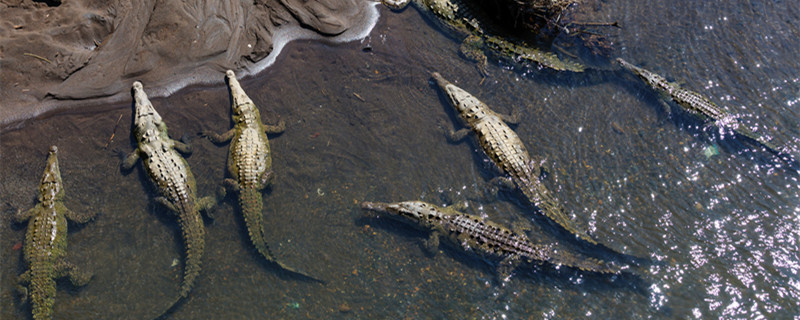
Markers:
713,221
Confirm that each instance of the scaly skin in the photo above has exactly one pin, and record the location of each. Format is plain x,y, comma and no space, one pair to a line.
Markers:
249,163
45,247
486,238
506,150
468,25
698,105
170,173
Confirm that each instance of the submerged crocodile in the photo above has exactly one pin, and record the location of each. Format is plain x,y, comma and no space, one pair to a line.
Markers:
250,163
486,238
506,150
45,247
467,23
700,106
170,173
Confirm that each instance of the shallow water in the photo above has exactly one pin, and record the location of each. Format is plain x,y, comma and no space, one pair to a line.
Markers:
721,230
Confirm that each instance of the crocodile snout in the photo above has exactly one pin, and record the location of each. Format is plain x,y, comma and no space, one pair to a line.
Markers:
374,206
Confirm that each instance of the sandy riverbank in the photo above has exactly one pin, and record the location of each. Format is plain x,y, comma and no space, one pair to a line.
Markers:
58,55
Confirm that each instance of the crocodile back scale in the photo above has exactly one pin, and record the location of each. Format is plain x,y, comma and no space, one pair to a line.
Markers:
170,173
45,247
506,150
486,238
700,106
250,164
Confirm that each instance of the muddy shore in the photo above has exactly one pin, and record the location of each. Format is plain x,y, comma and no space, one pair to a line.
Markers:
58,55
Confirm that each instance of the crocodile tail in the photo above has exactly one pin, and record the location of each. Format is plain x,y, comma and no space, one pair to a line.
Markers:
42,292
543,198
252,206
172,306
533,55
583,263
194,240
746,132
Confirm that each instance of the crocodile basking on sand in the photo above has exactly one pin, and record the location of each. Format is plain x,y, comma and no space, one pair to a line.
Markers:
506,150
467,23
45,247
700,106
175,183
249,163
486,238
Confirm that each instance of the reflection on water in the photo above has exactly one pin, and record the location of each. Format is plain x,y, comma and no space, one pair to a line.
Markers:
718,218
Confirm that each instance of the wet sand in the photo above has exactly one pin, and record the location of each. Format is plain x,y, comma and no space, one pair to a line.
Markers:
85,52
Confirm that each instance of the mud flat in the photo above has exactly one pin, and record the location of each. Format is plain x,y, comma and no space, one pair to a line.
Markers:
56,56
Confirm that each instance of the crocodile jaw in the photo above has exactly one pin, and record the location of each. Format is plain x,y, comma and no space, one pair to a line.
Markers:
417,212
654,80
242,107
238,95
146,120
379,207
470,108
50,189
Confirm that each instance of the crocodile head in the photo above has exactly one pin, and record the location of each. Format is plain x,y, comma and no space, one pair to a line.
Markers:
654,80
469,108
51,187
422,213
147,123
243,108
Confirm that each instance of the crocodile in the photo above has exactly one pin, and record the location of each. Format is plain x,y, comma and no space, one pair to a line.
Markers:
701,107
483,237
249,163
465,22
45,247
170,173
508,153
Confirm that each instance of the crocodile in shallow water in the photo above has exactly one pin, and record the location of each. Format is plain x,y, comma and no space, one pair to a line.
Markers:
467,23
249,163
475,234
170,173
700,106
506,150
45,247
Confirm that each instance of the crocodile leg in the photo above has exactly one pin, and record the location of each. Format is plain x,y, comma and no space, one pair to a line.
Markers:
503,182
182,147
496,185
456,136
431,245
21,217
265,179
22,285
537,166
166,203
78,218
229,183
472,49
130,160
76,277
206,204
514,118
275,128
218,138
506,267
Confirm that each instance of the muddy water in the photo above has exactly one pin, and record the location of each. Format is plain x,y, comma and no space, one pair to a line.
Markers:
718,218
